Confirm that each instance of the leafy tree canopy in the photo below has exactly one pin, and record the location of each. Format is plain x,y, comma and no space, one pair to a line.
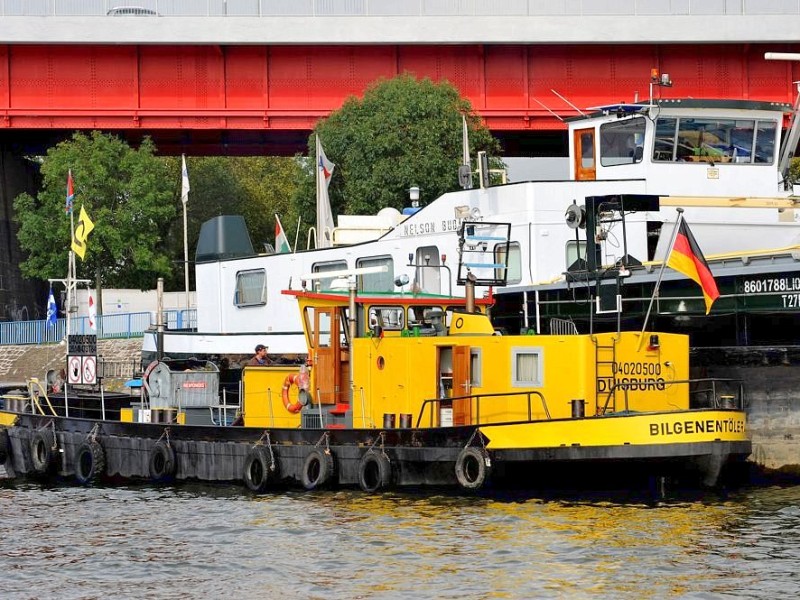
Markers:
126,192
403,132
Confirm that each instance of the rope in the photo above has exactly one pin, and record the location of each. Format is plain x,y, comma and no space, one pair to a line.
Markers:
325,437
92,436
260,442
164,435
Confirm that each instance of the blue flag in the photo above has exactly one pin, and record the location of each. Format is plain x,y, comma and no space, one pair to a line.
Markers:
52,310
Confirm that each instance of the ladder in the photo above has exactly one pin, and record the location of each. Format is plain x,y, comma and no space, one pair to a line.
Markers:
605,358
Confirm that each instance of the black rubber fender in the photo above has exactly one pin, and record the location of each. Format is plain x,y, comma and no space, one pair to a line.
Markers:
374,472
162,461
5,446
42,451
259,471
472,470
318,469
90,462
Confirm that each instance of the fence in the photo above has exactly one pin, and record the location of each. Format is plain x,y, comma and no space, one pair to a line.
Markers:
117,326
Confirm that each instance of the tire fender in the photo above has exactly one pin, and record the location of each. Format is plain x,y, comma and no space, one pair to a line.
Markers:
318,469
42,451
90,462
259,471
162,461
472,469
374,472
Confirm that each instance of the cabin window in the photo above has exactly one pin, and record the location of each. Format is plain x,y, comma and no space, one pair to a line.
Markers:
712,140
251,288
575,250
514,262
428,270
526,368
327,267
431,320
476,367
390,318
376,282
622,142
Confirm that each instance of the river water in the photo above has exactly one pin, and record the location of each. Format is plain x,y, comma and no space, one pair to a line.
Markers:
215,542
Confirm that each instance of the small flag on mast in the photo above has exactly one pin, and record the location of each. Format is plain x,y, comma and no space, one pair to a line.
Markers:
52,309
70,193
324,212
281,241
184,180
686,257
83,228
92,313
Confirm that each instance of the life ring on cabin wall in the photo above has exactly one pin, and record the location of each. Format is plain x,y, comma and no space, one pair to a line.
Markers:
301,381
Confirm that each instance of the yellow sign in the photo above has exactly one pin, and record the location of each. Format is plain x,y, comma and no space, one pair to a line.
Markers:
82,231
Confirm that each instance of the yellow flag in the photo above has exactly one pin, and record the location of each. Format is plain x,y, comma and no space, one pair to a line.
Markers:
82,230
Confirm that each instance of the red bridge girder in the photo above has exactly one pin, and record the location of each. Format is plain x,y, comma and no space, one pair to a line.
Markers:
288,88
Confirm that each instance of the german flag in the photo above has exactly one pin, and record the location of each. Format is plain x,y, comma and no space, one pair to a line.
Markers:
687,258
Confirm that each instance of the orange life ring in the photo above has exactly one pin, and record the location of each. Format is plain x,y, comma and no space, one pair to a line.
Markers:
292,407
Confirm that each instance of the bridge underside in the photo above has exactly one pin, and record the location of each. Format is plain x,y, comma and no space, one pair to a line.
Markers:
240,100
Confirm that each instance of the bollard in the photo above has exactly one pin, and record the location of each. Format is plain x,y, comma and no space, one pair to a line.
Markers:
578,408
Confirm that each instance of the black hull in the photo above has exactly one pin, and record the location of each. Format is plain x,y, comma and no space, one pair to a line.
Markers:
414,457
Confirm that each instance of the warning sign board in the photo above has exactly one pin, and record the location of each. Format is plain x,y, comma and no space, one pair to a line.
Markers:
74,369
89,370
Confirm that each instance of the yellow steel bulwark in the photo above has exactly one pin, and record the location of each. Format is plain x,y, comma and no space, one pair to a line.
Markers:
678,427
7,419
263,404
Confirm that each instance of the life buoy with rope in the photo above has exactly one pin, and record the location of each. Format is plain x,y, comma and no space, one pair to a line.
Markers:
301,381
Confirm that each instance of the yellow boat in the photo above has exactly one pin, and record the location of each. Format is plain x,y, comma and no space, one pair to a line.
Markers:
414,390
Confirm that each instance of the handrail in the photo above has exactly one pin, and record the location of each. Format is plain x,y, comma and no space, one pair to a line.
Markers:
478,397
627,385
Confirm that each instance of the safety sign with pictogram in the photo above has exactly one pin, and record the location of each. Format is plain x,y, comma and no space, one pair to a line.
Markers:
89,370
74,369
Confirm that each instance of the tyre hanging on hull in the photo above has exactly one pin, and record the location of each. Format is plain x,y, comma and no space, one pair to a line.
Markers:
473,468
318,469
5,446
260,469
43,449
374,472
162,461
90,462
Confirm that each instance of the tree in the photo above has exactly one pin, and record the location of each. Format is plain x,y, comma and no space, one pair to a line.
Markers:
403,132
128,194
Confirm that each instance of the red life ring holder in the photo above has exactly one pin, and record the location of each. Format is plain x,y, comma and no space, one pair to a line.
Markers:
292,407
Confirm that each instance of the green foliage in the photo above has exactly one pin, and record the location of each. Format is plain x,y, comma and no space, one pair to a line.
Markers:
794,170
127,193
403,132
255,187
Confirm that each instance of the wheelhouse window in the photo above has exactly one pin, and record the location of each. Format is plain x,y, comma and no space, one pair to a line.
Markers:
376,282
622,142
526,366
712,140
429,269
390,318
476,367
327,267
575,250
514,262
251,288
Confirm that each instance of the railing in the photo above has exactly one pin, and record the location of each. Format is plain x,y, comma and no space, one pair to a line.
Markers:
117,326
392,8
432,403
711,389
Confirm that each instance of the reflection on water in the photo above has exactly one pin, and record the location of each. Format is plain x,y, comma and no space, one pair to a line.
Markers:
200,541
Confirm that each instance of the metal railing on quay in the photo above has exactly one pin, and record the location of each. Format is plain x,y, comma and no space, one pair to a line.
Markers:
120,326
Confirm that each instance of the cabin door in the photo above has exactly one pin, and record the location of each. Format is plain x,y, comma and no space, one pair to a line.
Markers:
327,355
585,156
462,409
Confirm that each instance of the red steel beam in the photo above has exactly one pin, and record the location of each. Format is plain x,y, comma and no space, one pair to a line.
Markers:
285,88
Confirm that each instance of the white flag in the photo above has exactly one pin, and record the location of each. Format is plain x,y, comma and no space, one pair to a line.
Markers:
184,180
324,212
92,313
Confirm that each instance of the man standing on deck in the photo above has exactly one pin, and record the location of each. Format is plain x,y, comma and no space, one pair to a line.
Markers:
260,358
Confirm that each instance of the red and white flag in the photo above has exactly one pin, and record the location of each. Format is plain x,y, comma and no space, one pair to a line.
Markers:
92,313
